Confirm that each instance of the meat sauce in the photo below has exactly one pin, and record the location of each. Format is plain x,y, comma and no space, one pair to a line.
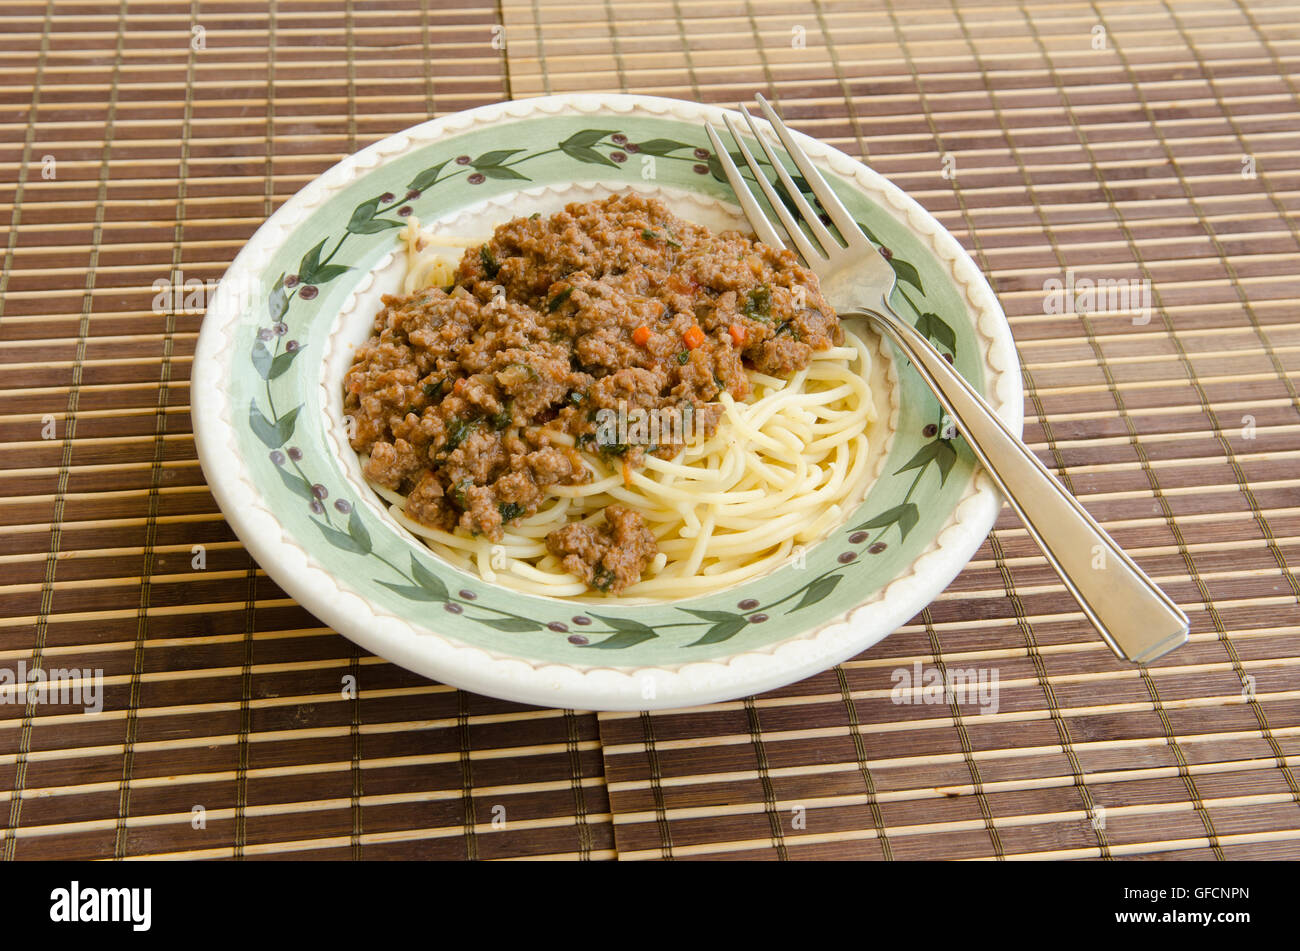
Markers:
464,395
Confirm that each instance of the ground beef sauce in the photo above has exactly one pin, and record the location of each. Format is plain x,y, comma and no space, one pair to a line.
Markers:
460,393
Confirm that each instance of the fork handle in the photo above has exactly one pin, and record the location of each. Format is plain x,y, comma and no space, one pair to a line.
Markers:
1136,618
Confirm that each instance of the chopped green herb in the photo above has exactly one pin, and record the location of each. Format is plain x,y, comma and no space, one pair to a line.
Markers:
489,262
534,216
656,236
786,327
458,493
683,357
457,432
602,578
432,390
503,419
510,510
758,304
617,449
558,300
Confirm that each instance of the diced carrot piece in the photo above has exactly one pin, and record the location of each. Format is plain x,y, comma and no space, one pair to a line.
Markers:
737,334
693,337
641,336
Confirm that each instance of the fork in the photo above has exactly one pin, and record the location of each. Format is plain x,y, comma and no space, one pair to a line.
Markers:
1133,616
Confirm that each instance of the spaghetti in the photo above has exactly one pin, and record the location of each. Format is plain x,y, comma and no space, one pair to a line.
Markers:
782,467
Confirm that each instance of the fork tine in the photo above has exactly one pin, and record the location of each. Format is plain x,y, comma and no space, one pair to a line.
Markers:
748,203
811,253
838,213
810,216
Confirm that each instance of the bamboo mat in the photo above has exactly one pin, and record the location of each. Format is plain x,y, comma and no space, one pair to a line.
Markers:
1153,141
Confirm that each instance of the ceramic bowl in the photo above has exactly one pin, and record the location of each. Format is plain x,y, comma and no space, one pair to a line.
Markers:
267,403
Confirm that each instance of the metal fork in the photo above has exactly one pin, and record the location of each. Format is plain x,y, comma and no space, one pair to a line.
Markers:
1136,618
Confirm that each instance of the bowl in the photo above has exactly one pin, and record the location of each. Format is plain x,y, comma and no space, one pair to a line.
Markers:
269,425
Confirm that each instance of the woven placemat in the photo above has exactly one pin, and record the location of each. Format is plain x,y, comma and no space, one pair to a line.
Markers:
1147,142
1105,139
228,728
